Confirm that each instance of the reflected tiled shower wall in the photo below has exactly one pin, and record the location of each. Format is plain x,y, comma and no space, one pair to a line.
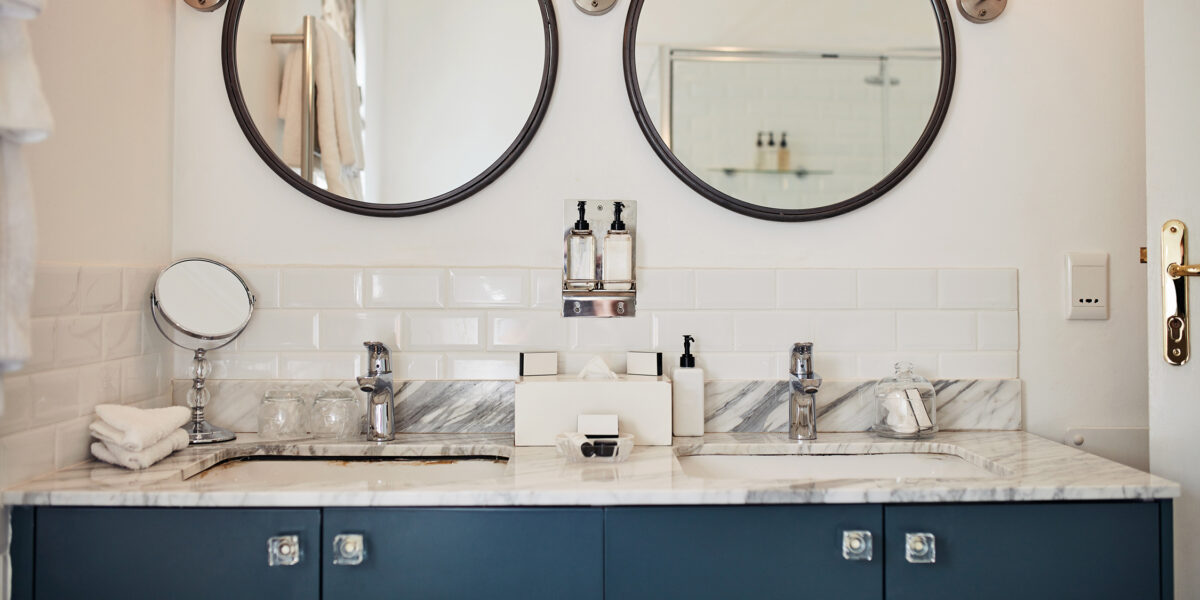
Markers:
451,323
93,343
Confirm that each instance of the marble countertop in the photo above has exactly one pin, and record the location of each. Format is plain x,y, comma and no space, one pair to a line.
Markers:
1019,466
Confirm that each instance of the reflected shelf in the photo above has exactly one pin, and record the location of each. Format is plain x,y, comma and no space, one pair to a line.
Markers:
799,172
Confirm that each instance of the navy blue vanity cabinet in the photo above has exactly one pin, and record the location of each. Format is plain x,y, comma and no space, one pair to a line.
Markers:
492,553
740,552
176,553
1028,550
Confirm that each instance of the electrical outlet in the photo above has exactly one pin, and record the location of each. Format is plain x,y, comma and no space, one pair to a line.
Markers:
1087,286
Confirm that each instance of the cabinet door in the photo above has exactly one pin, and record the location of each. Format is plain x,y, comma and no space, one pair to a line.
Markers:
173,553
1029,551
739,552
500,553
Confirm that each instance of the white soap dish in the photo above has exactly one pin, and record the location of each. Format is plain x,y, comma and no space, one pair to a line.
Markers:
579,448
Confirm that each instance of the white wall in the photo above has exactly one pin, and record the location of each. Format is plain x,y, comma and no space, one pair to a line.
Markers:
1042,153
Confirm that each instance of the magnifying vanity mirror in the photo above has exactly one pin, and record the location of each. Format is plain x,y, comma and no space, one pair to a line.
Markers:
389,107
201,305
790,110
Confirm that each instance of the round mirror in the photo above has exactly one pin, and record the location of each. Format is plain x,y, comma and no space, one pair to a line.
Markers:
201,305
389,107
790,110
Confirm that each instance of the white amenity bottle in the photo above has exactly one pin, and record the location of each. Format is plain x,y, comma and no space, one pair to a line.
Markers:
687,394
618,253
581,253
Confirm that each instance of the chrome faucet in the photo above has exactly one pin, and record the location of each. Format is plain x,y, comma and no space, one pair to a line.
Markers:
802,407
381,422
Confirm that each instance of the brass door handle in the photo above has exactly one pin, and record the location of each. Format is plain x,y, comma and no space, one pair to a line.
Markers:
1176,328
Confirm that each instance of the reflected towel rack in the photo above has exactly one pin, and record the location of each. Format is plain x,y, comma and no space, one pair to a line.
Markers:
308,108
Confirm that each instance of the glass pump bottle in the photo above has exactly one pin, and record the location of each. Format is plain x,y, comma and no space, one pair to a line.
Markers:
581,253
618,253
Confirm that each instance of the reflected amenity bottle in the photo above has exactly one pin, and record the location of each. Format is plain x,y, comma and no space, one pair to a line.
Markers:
618,253
785,155
760,153
581,253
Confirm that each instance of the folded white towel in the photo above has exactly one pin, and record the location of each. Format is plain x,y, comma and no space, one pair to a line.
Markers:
136,429
115,455
20,9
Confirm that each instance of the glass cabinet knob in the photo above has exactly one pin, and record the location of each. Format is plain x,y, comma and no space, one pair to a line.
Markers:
856,545
349,549
283,550
920,548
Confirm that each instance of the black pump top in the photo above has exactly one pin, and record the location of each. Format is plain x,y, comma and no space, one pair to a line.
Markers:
687,360
759,142
771,139
617,224
582,224
783,140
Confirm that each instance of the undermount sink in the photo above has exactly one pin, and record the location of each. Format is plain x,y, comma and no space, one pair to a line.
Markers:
829,466
375,472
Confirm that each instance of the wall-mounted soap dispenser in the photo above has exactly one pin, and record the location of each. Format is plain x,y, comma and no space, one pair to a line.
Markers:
599,284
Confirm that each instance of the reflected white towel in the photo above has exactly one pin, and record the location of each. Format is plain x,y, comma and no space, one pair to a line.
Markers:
114,455
339,117
24,118
136,429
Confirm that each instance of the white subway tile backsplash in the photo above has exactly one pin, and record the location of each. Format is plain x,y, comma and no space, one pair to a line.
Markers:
546,288
26,455
493,365
489,287
55,291
527,330
72,442
55,396
998,330
77,340
100,384
880,365
264,284
122,335
99,290
713,331
665,289
738,365
897,288
770,331
321,288
977,288
281,330
622,335
443,330
136,285
978,365
18,404
406,288
142,377
415,365
41,333
322,365
228,364
735,288
854,330
816,288
347,329
936,330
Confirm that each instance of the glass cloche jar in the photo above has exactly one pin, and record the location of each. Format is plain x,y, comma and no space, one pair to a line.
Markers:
905,405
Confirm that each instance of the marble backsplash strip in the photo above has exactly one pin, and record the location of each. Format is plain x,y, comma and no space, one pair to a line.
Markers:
449,406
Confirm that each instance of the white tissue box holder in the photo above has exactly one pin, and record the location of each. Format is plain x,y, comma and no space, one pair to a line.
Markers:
550,405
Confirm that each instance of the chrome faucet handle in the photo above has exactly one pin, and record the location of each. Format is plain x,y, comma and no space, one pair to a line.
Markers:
379,358
801,363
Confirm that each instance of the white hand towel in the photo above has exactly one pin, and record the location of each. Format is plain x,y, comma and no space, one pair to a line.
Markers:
20,9
115,455
136,429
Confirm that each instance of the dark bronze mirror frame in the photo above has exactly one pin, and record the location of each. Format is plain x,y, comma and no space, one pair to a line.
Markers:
940,107
407,209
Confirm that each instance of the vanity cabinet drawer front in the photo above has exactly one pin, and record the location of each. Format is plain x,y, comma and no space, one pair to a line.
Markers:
493,553
740,552
1020,550
176,553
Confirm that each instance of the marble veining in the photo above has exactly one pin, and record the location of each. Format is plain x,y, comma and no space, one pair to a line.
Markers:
452,406
1024,467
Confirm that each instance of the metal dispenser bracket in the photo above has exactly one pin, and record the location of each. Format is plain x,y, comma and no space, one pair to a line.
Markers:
595,301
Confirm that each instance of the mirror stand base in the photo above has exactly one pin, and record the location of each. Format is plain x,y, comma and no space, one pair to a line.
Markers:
203,432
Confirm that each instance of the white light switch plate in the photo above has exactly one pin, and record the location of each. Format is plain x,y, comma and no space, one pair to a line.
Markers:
1087,286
